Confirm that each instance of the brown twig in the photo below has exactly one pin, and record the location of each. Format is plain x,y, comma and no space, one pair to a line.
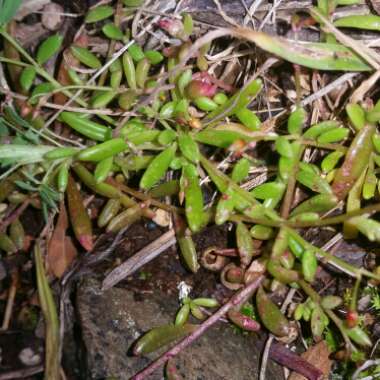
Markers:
234,300
282,355
228,252
16,214
21,373
325,90
139,259
10,301
288,199
145,197
358,95
225,17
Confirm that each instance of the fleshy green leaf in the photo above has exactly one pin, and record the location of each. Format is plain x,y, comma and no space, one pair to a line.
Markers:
8,9
48,48
368,227
315,55
23,154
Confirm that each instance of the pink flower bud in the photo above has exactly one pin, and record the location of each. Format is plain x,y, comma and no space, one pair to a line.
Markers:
197,88
172,26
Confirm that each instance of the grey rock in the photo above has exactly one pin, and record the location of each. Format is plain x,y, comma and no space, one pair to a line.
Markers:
111,321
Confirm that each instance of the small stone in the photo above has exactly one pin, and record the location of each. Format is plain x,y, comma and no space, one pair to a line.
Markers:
52,17
219,354
162,218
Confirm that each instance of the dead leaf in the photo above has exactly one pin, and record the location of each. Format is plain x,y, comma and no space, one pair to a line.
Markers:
61,250
318,355
28,7
375,5
29,36
52,17
68,61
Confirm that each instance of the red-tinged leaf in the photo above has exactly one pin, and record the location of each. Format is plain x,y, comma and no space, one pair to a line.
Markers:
62,75
61,250
317,355
355,162
79,219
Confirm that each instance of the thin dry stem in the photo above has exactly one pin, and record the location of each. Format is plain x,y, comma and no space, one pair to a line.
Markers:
235,300
139,259
225,17
366,53
358,95
15,215
10,301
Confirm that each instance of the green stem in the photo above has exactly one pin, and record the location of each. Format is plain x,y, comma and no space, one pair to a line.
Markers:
15,62
263,221
147,198
328,146
74,87
38,68
292,181
43,134
61,88
332,260
49,311
314,223
9,171
46,75
51,169
355,293
336,219
317,299
84,87
226,181
297,77
38,132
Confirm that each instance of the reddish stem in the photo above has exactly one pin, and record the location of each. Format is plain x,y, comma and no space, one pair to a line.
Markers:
16,214
207,78
282,355
236,299
230,252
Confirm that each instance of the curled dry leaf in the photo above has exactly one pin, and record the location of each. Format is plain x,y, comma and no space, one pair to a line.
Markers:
61,249
28,7
318,355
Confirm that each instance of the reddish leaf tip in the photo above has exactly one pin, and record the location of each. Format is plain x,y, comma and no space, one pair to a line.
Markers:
86,242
